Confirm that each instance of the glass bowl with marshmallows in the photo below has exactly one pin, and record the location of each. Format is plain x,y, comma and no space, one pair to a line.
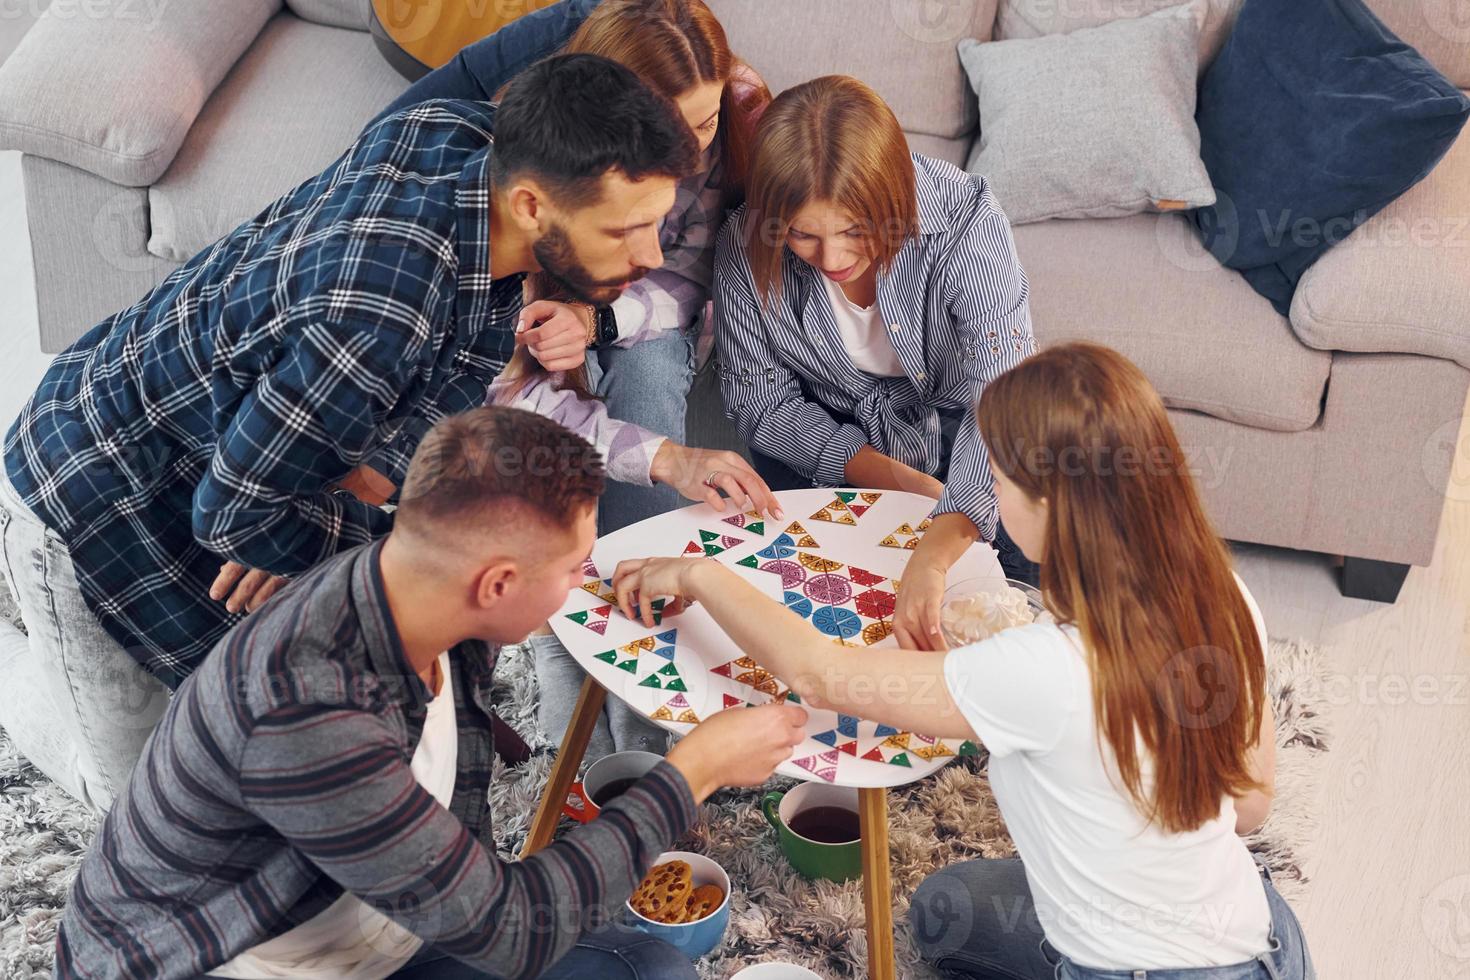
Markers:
978,608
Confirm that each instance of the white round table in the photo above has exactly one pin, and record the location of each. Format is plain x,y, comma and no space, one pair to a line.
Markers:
835,561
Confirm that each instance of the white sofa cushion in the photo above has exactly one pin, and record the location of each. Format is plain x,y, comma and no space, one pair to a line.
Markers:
1145,286
298,98
904,49
1039,18
1098,123
1401,281
113,88
333,13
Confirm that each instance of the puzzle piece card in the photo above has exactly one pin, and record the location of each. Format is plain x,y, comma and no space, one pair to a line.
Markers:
907,535
750,521
847,507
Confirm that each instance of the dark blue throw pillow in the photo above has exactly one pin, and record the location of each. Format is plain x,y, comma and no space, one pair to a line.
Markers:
1312,119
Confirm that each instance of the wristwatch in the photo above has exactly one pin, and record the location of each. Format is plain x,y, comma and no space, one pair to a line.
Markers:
607,325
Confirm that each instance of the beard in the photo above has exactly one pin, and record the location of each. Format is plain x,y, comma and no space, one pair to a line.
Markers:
558,260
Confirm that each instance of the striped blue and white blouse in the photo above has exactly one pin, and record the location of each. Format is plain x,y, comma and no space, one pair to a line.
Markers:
956,303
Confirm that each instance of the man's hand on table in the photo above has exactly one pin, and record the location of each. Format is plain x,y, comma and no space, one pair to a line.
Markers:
557,334
686,469
738,747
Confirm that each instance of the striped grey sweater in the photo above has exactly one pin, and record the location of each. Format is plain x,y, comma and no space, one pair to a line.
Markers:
280,777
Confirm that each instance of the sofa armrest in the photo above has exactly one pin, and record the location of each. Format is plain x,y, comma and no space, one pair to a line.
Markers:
1400,283
113,86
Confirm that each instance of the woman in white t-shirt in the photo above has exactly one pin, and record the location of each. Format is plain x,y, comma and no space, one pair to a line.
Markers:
1130,737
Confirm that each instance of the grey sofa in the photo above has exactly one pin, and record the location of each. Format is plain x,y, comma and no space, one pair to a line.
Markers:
150,130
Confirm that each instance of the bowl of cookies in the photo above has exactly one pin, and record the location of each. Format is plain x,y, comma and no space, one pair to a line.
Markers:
685,901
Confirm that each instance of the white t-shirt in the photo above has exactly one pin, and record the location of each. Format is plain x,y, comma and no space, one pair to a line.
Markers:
1112,892
349,939
864,334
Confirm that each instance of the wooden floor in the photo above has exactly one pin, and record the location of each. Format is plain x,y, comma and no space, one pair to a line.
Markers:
1391,895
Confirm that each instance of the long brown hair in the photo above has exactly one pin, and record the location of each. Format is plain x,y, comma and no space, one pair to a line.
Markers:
1131,559
674,45
829,139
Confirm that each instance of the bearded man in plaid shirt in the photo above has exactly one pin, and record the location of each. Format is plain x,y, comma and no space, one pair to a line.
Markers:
188,452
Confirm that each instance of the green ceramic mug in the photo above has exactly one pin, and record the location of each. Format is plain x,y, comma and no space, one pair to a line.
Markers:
818,858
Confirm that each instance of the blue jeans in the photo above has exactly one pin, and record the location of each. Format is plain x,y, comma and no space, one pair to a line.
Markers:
646,384
1002,937
612,953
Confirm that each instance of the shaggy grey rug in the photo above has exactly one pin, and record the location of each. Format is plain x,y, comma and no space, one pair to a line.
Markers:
775,915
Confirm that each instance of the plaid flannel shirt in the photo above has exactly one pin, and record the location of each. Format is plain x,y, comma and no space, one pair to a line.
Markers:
211,419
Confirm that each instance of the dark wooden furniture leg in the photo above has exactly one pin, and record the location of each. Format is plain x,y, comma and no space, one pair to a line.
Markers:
564,771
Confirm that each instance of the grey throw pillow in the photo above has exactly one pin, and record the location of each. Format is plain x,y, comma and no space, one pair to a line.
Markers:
1098,123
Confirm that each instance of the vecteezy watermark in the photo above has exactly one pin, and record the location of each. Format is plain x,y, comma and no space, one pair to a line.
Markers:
1450,19
1205,464
1445,916
1390,231
1194,690
948,914
1212,236
1449,443
146,12
1391,690
933,21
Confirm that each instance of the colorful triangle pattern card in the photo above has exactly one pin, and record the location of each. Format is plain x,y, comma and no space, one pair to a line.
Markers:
750,521
799,604
847,507
801,535
907,535
831,515
666,678
712,543
593,619
792,574
823,765
602,588
783,547
935,751
675,709
892,751
665,644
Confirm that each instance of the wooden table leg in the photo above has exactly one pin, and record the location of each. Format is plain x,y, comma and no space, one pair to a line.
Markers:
877,891
564,770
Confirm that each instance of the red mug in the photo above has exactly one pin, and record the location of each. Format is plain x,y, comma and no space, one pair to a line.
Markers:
609,769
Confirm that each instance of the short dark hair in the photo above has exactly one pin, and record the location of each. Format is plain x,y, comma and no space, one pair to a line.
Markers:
492,464
569,119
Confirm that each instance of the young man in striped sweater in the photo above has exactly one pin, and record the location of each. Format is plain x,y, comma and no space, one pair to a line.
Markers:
314,802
